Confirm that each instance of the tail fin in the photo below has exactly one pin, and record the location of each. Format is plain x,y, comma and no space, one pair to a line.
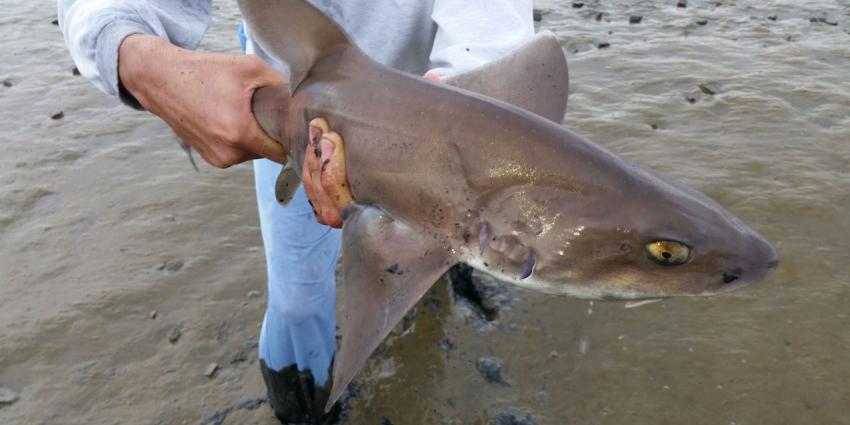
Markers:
293,32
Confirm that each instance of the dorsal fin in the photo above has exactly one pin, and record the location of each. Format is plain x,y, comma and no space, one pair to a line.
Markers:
293,32
387,267
534,77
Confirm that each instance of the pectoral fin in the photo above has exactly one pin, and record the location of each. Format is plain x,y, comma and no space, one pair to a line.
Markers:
387,267
286,184
534,77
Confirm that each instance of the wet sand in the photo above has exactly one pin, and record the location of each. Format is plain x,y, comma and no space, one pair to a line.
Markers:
103,221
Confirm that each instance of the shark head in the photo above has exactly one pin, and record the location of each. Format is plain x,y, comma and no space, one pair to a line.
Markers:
656,239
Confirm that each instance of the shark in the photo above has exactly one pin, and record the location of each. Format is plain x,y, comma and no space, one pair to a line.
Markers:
478,169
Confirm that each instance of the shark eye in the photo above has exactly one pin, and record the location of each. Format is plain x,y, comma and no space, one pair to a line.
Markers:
668,253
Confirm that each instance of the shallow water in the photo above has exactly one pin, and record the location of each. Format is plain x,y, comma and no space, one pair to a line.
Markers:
102,220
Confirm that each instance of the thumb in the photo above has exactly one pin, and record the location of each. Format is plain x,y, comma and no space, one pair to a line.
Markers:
262,74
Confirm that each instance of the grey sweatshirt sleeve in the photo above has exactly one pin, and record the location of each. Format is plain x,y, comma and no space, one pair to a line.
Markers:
471,33
94,29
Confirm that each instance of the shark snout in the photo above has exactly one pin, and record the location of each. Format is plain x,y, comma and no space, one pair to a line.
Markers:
761,258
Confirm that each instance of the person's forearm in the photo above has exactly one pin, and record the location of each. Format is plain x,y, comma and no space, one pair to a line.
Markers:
94,30
141,80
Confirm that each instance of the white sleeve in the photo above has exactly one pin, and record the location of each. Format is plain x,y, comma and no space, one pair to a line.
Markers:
94,29
471,33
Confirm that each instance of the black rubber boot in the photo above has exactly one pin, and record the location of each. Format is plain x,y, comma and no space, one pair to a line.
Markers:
296,399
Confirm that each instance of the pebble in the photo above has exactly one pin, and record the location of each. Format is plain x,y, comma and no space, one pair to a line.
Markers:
7,396
772,17
702,22
538,15
604,45
7,83
210,370
254,294
174,335
447,344
491,370
75,71
576,5
171,265
153,314
553,355
509,418
55,22
635,19
691,98
238,357
822,20
58,116
708,89
682,3
386,421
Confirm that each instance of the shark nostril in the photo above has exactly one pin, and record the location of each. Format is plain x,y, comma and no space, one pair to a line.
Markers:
729,277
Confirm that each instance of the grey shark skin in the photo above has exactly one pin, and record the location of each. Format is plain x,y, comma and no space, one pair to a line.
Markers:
443,175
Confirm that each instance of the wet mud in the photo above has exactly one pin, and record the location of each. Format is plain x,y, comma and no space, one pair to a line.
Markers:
124,273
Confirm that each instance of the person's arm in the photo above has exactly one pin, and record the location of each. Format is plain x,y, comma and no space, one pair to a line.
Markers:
138,51
471,33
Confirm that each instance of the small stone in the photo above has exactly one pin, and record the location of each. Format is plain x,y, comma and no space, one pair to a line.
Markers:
447,344
254,294
7,396
635,19
682,3
691,98
7,83
599,16
702,22
174,335
386,421
55,22
604,45
510,418
772,17
75,71
537,14
553,355
708,89
153,314
171,266
210,370
239,357
823,20
491,370
577,5
653,126
58,116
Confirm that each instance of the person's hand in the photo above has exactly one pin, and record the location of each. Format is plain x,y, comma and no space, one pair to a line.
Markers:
323,174
204,97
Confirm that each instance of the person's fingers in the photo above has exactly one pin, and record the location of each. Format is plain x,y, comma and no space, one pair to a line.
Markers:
261,74
257,141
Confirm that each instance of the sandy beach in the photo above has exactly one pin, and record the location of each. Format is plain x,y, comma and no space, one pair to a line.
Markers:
132,288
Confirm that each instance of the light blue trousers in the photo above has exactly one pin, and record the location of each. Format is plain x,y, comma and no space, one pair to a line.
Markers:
300,322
